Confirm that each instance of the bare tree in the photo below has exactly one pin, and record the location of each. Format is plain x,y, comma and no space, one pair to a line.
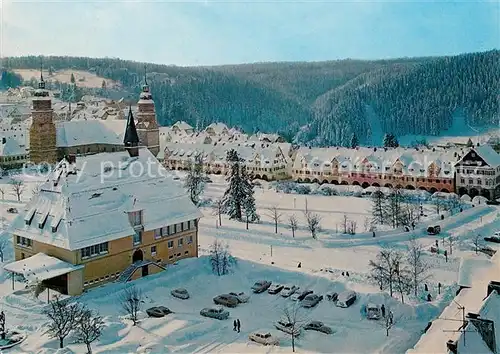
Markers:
63,319
440,204
418,268
131,301
345,223
351,227
220,258
294,223
218,210
394,207
17,188
389,323
292,315
383,269
451,241
2,192
36,189
476,241
275,216
402,275
3,245
89,328
313,223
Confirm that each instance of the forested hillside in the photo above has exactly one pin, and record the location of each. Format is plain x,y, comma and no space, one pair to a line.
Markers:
322,103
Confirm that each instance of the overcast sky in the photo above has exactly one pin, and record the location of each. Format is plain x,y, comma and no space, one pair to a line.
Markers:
221,32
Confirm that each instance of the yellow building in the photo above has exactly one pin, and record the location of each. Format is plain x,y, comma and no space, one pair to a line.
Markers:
104,217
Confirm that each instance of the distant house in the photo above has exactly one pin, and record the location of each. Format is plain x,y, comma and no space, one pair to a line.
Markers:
478,172
181,126
217,129
13,152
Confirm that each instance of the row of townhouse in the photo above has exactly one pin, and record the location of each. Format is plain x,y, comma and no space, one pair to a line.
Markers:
264,161
473,171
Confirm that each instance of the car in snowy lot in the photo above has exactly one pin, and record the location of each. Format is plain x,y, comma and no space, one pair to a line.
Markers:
158,311
434,230
373,312
311,300
318,326
219,313
180,293
275,288
263,337
261,286
287,327
226,300
241,296
12,210
289,290
332,296
299,296
346,299
327,270
495,238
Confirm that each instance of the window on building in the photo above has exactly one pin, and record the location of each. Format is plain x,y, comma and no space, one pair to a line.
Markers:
171,256
185,226
23,241
479,182
180,242
137,237
186,252
165,231
94,250
153,250
170,244
190,240
158,233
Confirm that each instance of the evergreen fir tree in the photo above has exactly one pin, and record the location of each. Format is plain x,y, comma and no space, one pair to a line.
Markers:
194,183
354,141
249,201
72,79
235,194
470,143
387,140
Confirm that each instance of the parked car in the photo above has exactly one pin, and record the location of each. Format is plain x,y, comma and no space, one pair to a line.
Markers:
275,288
373,312
289,290
264,338
434,230
300,295
158,311
219,313
311,300
261,286
180,293
226,300
287,327
332,296
241,296
12,210
318,326
346,299
495,238
328,270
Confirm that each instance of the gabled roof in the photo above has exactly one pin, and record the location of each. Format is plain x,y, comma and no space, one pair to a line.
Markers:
488,154
86,132
86,203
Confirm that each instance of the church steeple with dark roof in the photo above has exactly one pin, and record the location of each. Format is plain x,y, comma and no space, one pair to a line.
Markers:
147,126
41,91
131,139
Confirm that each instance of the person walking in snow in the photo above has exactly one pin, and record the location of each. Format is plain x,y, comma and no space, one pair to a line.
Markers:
382,308
235,325
238,324
300,265
347,274
426,288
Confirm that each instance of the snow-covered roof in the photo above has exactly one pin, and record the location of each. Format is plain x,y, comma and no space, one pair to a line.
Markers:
41,267
218,128
93,131
87,203
489,155
470,267
182,125
13,147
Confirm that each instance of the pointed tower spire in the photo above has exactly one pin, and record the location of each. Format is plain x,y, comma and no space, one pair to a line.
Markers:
145,88
131,139
41,92
145,76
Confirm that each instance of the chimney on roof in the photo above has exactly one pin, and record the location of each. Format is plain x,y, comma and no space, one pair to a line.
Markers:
452,346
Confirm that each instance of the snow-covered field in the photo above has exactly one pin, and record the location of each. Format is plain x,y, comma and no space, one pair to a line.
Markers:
263,254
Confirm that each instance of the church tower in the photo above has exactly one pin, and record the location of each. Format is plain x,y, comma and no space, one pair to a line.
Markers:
43,130
147,127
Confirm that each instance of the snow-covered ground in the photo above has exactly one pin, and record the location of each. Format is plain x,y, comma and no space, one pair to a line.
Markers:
263,254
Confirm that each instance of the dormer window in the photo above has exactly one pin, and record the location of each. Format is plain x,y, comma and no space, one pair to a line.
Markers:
136,218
